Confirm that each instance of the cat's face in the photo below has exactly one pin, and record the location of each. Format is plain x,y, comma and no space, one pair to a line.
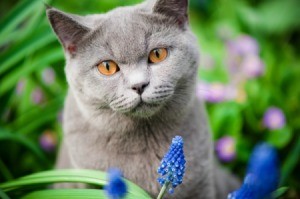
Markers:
131,60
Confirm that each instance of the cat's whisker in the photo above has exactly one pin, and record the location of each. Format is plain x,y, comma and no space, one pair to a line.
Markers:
118,101
124,105
163,86
115,97
163,91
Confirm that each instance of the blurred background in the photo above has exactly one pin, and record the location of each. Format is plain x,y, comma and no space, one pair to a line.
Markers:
249,77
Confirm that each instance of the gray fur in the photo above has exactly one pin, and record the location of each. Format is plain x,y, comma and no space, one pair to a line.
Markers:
107,124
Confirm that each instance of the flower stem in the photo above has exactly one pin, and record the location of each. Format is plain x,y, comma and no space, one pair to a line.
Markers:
163,190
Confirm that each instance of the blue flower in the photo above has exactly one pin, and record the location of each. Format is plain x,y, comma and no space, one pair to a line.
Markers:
172,166
262,175
246,191
116,187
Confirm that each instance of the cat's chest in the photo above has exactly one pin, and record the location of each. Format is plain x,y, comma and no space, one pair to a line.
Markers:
138,164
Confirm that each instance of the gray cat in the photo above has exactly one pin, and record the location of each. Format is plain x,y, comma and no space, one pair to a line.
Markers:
132,75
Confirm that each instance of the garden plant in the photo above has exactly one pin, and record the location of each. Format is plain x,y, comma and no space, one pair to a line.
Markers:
249,78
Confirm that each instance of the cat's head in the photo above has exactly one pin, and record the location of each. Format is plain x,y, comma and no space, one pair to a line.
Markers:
133,60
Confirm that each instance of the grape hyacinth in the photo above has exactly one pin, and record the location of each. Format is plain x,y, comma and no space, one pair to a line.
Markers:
172,167
262,176
116,187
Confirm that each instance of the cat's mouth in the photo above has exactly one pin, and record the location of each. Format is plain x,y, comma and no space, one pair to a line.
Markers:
138,107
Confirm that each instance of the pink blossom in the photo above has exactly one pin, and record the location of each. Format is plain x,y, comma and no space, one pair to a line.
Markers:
226,148
274,118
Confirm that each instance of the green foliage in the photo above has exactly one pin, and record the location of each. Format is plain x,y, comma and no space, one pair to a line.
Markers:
28,47
35,181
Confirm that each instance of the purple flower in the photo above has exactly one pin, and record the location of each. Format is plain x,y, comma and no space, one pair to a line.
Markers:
48,75
217,92
37,96
211,92
225,148
247,45
252,66
243,45
274,118
243,59
116,187
20,87
48,141
236,93
202,90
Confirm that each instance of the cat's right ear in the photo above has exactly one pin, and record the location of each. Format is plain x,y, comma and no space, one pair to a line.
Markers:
174,9
68,28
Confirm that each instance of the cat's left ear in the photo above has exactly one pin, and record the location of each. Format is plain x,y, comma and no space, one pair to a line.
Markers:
69,28
175,9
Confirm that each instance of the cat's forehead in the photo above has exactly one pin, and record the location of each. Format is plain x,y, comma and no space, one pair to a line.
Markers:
126,33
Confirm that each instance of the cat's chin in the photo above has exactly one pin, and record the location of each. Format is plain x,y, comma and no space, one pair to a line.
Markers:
144,110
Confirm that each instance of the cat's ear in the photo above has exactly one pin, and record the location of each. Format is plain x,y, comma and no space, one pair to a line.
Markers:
68,28
176,9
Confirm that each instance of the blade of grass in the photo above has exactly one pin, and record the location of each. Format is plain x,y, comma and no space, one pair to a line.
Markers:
4,170
83,173
49,57
3,195
290,162
28,25
13,19
24,123
15,54
6,135
92,177
67,194
73,194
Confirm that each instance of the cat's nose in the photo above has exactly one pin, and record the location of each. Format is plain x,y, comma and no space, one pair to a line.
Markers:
139,88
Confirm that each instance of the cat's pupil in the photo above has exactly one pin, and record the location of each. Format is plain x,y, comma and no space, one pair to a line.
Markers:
157,54
106,65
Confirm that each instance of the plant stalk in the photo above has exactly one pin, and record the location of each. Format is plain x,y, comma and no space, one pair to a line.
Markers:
163,190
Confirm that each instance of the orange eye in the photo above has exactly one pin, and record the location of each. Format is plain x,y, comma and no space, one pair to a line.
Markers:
108,68
157,55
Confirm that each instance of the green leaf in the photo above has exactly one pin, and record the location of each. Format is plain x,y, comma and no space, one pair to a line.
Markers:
279,192
67,194
226,119
291,161
17,15
3,195
263,19
6,135
73,194
288,18
280,138
16,53
91,177
31,119
49,57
